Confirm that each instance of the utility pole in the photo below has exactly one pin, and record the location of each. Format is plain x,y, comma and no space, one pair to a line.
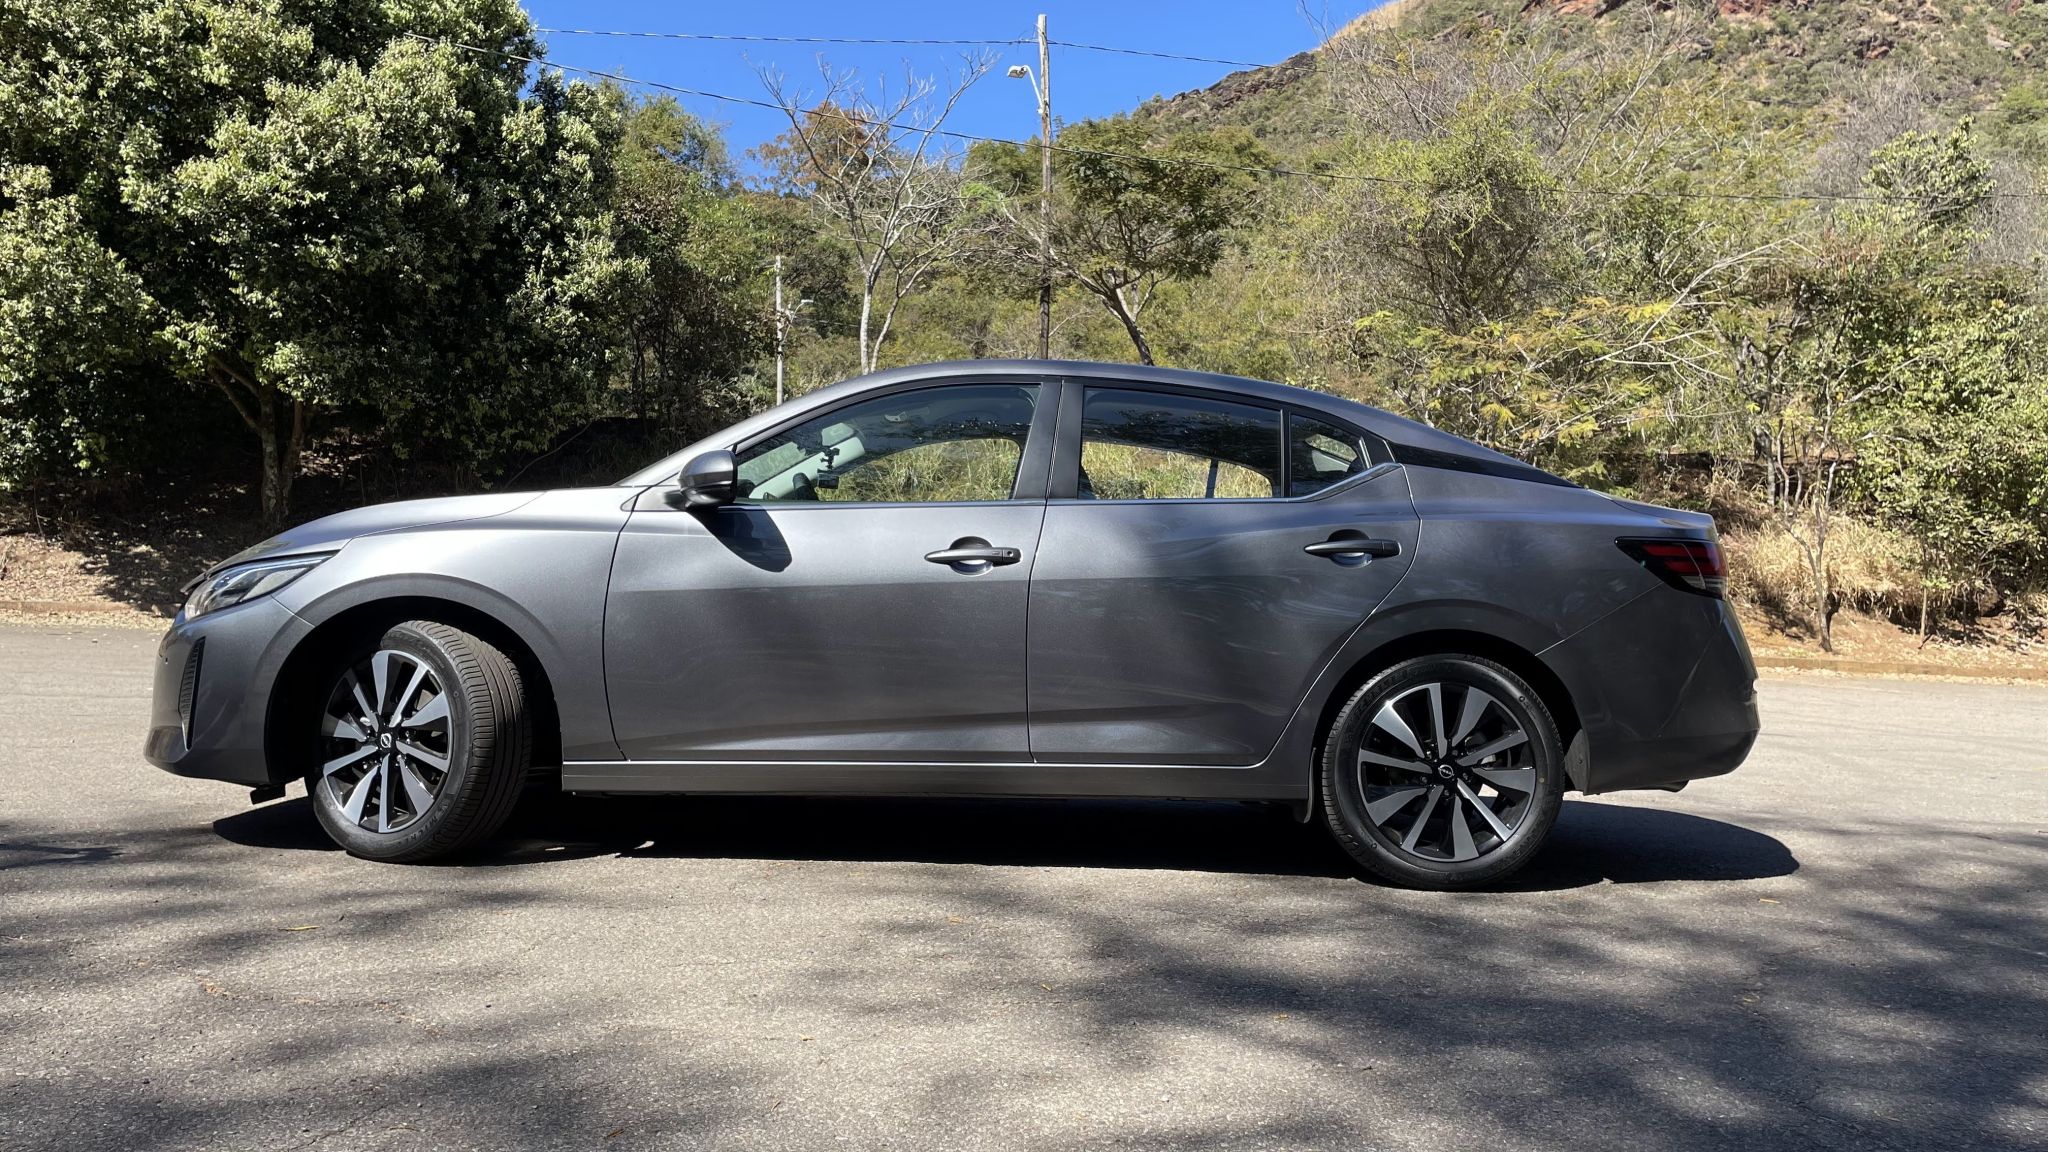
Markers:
784,319
1044,193
781,327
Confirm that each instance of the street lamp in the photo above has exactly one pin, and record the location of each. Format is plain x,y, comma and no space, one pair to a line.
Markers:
1041,87
1023,72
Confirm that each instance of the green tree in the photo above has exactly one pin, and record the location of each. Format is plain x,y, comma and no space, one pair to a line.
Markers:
1132,210
322,206
1959,456
696,308
74,328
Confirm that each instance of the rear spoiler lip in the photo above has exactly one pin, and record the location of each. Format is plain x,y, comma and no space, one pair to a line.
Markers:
1482,465
1698,524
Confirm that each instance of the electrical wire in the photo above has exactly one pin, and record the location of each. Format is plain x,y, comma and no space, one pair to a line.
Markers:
902,40
1187,161
1156,55
747,39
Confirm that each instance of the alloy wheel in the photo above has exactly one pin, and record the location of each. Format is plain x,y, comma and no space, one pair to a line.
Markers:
386,741
1447,772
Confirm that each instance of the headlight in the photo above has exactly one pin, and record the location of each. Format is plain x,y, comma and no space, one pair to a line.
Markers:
231,586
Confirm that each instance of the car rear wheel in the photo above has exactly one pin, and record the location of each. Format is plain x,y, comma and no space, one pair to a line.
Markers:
423,740
1442,772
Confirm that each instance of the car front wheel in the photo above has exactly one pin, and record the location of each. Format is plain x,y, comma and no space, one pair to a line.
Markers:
424,741
1442,772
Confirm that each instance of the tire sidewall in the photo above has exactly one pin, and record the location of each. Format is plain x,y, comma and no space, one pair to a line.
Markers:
1344,805
411,839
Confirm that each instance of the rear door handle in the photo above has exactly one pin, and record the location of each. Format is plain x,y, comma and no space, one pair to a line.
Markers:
1344,546
964,553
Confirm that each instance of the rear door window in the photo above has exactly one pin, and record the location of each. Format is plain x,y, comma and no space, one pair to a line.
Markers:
1165,446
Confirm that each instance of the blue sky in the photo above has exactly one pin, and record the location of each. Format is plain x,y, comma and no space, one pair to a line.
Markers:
1085,84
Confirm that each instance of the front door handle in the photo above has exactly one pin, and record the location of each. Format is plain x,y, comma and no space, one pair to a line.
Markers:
1353,546
974,554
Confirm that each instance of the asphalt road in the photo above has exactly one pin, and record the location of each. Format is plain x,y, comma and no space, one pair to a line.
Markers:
1843,945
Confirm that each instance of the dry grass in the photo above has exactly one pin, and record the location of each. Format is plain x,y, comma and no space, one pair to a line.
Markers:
1870,568
1875,576
1873,572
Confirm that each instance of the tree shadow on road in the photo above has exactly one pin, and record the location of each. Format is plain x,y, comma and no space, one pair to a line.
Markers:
1889,994
19,854
1593,842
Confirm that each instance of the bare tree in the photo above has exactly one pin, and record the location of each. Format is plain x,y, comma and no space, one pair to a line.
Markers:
1513,255
1877,109
1809,375
874,163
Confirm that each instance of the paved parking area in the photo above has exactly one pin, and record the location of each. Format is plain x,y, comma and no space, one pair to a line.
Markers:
1843,945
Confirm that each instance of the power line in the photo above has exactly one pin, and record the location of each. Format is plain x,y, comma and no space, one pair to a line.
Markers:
724,36
1161,55
900,127
1189,161
911,40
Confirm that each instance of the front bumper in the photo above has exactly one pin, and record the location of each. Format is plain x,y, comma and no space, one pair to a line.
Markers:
210,706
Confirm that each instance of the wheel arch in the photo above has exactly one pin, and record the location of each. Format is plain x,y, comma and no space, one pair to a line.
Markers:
297,679
1452,641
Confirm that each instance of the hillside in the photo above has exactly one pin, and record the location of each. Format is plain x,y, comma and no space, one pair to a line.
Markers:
1958,55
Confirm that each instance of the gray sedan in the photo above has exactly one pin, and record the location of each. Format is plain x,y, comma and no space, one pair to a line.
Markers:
996,578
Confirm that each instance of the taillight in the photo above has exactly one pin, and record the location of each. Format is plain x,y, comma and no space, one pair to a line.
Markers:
1687,565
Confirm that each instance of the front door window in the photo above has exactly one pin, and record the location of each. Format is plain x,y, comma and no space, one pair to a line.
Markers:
959,443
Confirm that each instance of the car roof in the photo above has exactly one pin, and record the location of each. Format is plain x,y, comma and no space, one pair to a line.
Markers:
1395,429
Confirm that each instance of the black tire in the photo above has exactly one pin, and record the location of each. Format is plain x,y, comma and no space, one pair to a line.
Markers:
1428,856
486,740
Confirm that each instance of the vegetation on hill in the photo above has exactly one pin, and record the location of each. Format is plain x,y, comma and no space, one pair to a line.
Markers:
1777,258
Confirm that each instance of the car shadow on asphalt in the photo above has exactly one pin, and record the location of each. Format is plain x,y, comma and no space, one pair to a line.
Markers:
1593,843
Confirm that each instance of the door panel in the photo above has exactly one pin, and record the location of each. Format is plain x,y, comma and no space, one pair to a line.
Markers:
1186,632
820,632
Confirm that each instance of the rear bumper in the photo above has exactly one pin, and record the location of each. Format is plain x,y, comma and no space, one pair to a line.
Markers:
1667,762
210,704
1667,692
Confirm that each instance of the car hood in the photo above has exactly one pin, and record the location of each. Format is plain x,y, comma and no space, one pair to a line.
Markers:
331,532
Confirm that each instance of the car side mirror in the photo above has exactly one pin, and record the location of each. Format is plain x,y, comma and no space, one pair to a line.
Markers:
707,481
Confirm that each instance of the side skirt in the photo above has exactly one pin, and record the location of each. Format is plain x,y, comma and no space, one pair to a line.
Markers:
922,779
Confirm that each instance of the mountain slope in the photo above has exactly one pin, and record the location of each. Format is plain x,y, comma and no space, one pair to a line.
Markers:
1958,55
